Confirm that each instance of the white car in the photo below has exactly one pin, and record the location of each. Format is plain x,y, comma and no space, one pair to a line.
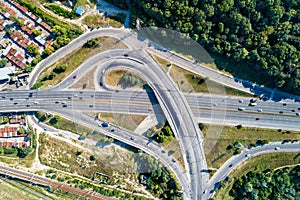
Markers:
259,110
241,108
276,148
298,114
36,102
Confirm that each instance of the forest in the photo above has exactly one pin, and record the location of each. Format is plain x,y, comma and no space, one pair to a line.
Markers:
281,184
260,39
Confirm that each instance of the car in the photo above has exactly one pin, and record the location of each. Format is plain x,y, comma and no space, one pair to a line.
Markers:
173,160
149,109
284,104
100,83
293,110
104,124
298,108
45,129
259,110
3,97
112,130
241,108
280,112
276,148
80,98
298,114
28,105
74,76
126,55
253,100
69,97
215,104
91,106
241,101
75,95
131,138
63,102
230,165
15,103
247,155
56,102
253,104
65,105
11,98
257,118
108,56
36,102
27,98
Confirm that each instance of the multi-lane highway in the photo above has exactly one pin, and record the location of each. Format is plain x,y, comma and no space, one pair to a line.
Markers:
181,111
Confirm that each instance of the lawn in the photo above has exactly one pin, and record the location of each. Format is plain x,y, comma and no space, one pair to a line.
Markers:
217,139
258,164
127,121
76,58
189,82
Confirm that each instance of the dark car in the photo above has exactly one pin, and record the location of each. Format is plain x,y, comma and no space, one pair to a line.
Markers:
257,118
65,105
100,83
74,76
230,165
280,112
126,55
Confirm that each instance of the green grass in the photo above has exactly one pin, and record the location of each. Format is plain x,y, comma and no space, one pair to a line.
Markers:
76,58
217,138
258,164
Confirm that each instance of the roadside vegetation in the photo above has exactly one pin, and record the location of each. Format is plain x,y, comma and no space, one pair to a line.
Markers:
127,121
261,39
98,21
123,78
73,60
221,142
189,82
253,175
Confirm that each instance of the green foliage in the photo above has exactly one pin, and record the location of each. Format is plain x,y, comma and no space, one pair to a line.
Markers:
119,3
32,49
23,152
201,126
259,38
159,179
130,80
165,134
62,12
37,85
60,69
281,184
9,150
93,43
3,62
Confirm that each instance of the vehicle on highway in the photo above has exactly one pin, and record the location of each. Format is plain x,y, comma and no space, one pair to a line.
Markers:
100,83
91,106
104,124
259,110
253,100
298,114
293,110
28,105
63,102
253,104
126,55
74,76
241,108
15,103
247,155
36,102
11,99
65,105
173,160
108,56
284,104
131,138
241,101
276,148
56,102
230,165
257,118
112,130
280,112
3,97
75,95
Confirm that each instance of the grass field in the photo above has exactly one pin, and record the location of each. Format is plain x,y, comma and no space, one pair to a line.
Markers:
76,58
97,21
127,121
217,139
113,78
190,82
173,148
258,164
10,192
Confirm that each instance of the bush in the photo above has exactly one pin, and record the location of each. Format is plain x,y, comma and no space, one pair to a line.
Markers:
201,126
23,152
9,150
37,85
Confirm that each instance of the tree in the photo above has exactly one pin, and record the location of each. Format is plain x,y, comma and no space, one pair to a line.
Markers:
201,126
3,62
32,49
48,51
23,152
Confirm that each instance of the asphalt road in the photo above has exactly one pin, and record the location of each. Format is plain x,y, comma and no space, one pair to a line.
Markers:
237,160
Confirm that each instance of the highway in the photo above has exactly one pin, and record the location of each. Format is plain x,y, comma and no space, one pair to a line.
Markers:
206,108
40,180
180,111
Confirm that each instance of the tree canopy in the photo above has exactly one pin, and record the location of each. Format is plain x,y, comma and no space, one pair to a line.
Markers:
265,35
